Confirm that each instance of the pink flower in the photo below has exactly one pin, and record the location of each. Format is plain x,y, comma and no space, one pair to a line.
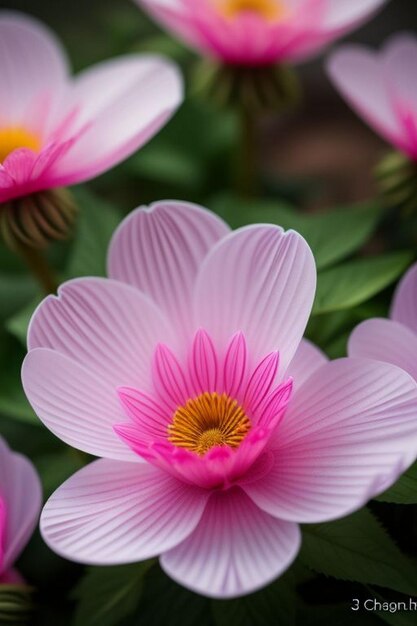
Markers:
381,87
392,340
56,130
20,504
221,430
260,32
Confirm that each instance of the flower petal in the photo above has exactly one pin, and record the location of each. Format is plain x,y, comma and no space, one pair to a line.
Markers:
203,365
151,418
32,63
160,249
359,76
400,58
261,382
21,491
122,104
109,327
76,404
169,379
306,361
347,15
235,549
111,513
261,281
235,365
174,15
348,434
385,340
404,306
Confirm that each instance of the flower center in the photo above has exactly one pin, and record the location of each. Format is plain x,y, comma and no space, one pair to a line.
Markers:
271,10
14,137
207,421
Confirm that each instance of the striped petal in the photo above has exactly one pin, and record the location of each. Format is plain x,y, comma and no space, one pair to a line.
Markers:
159,250
235,549
259,281
348,434
110,513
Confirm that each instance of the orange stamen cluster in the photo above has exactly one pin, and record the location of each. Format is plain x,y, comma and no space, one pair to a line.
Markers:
270,10
209,420
14,137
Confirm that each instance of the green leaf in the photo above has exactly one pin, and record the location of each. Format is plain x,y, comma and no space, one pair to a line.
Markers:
16,290
354,282
18,324
332,236
405,489
276,604
340,614
358,549
109,594
337,234
13,402
162,163
97,222
164,603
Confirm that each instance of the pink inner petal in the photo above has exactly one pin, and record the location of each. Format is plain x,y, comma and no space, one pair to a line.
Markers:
147,433
203,364
169,378
260,383
235,364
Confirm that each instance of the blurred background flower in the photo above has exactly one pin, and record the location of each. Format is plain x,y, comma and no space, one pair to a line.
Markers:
260,32
20,505
392,340
56,131
381,88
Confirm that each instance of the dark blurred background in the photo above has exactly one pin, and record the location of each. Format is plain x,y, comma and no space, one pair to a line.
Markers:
321,145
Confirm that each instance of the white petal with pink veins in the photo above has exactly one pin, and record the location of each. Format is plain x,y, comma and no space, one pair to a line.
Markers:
160,250
306,361
111,328
348,434
261,281
76,404
235,549
110,513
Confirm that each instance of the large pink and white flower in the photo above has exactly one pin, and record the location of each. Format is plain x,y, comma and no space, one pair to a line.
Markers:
381,88
260,32
56,130
392,340
220,429
20,505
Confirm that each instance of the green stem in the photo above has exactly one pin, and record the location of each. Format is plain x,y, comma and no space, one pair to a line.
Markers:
38,266
247,158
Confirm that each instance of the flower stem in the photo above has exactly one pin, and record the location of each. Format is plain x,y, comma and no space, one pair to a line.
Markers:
39,267
247,182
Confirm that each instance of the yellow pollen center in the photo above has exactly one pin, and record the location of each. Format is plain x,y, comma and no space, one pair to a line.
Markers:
271,10
14,137
207,421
